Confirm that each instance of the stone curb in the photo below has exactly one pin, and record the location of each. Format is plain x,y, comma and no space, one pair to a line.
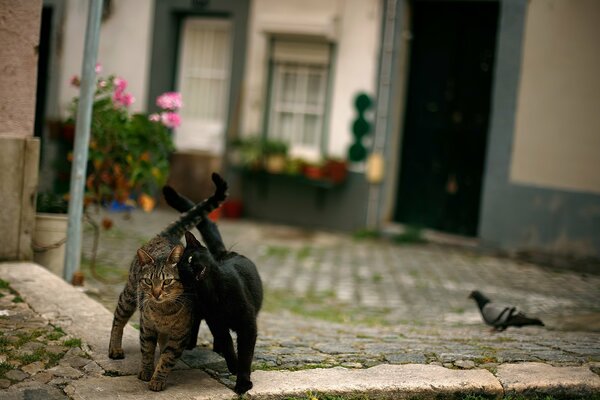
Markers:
83,317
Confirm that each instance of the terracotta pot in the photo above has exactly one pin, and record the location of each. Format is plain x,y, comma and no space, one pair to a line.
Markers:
233,209
313,172
215,215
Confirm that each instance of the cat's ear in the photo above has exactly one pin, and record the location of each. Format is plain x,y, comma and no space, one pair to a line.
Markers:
191,241
144,257
175,255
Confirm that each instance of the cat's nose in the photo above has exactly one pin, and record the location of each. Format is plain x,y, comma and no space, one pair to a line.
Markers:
156,294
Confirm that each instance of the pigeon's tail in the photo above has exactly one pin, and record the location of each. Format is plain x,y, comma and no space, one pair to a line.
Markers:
522,320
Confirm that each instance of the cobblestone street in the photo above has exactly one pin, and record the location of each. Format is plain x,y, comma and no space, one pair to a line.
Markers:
331,301
335,300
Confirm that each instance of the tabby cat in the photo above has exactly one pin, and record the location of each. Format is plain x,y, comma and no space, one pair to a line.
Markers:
155,286
229,293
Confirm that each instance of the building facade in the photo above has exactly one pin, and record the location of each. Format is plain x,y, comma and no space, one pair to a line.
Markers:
483,121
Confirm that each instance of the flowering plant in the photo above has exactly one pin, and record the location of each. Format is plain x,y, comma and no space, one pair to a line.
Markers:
128,153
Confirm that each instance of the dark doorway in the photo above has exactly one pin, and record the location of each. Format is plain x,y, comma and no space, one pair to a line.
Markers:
447,114
42,71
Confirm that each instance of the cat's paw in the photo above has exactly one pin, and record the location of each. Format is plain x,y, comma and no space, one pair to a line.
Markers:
242,386
145,375
157,385
116,353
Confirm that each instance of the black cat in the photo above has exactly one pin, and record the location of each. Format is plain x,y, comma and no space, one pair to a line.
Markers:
229,293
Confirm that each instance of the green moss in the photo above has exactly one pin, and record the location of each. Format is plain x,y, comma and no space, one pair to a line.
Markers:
324,306
4,284
28,337
277,251
4,368
411,235
56,334
303,253
72,342
366,234
17,299
37,355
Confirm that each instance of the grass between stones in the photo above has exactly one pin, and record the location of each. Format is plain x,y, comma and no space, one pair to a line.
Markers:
324,306
19,347
320,396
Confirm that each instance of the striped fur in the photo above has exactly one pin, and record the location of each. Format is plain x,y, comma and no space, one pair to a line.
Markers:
165,304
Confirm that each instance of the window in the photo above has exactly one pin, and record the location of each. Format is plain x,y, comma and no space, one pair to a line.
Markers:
298,95
204,75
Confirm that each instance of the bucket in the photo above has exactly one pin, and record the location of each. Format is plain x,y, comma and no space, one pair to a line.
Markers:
49,238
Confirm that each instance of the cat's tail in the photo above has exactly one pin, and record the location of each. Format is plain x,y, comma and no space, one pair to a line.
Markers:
177,201
196,213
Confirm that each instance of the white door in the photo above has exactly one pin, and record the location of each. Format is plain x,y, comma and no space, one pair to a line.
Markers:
203,80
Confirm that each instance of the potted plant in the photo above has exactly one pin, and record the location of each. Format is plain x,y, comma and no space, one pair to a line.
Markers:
128,152
50,232
275,155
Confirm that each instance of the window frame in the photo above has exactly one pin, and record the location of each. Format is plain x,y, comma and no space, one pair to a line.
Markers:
269,116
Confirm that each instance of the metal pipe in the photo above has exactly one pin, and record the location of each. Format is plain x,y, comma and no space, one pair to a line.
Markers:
82,138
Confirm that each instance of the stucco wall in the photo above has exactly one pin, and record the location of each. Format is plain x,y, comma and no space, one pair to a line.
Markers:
19,35
557,129
353,26
124,46
534,217
19,151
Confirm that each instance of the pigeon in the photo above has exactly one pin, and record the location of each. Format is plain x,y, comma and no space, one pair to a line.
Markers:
501,316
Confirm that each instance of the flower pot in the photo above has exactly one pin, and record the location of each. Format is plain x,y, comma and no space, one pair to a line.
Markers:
49,241
233,209
275,164
215,214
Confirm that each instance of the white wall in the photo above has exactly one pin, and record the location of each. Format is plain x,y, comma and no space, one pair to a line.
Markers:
352,25
557,132
125,45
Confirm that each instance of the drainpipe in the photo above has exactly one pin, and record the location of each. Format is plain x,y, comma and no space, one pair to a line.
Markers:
380,153
82,138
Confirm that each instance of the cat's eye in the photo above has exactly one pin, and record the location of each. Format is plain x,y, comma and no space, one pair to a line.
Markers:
167,281
147,281
190,260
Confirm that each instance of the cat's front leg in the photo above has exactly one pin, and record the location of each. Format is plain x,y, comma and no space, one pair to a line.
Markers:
124,310
169,356
148,340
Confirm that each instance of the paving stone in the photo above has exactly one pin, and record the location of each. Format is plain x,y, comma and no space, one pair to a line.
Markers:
92,368
4,383
380,381
63,371
33,368
74,361
335,348
541,378
464,364
16,375
43,377
189,384
406,358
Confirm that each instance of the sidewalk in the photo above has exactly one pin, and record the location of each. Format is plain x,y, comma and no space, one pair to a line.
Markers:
341,317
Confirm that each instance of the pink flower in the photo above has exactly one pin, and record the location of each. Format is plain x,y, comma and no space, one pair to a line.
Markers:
123,99
169,101
120,85
154,117
102,83
170,119
98,68
75,81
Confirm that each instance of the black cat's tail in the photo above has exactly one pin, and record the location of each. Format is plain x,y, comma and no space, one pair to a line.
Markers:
196,213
